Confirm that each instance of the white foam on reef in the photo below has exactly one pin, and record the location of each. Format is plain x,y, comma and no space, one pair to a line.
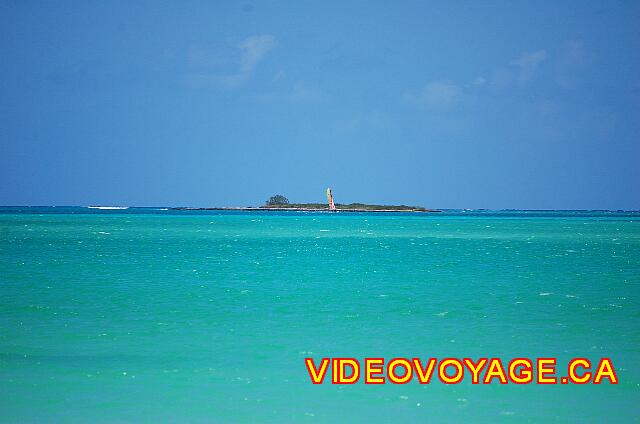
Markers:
108,207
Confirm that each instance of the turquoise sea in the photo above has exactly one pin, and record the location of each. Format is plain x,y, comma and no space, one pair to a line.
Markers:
151,315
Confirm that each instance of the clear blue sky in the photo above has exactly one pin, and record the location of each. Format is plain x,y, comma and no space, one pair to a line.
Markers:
441,104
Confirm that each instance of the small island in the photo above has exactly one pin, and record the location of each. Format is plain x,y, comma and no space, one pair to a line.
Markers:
279,202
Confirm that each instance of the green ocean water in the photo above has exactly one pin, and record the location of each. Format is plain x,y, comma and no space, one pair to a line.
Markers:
158,316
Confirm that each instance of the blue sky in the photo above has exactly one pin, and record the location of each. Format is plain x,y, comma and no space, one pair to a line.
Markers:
441,104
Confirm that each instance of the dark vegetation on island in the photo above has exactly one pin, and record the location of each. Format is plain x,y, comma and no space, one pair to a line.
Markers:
281,202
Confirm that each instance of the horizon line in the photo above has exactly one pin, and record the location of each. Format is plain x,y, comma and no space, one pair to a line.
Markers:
293,210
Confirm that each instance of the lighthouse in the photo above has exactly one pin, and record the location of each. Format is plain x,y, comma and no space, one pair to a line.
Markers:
332,206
